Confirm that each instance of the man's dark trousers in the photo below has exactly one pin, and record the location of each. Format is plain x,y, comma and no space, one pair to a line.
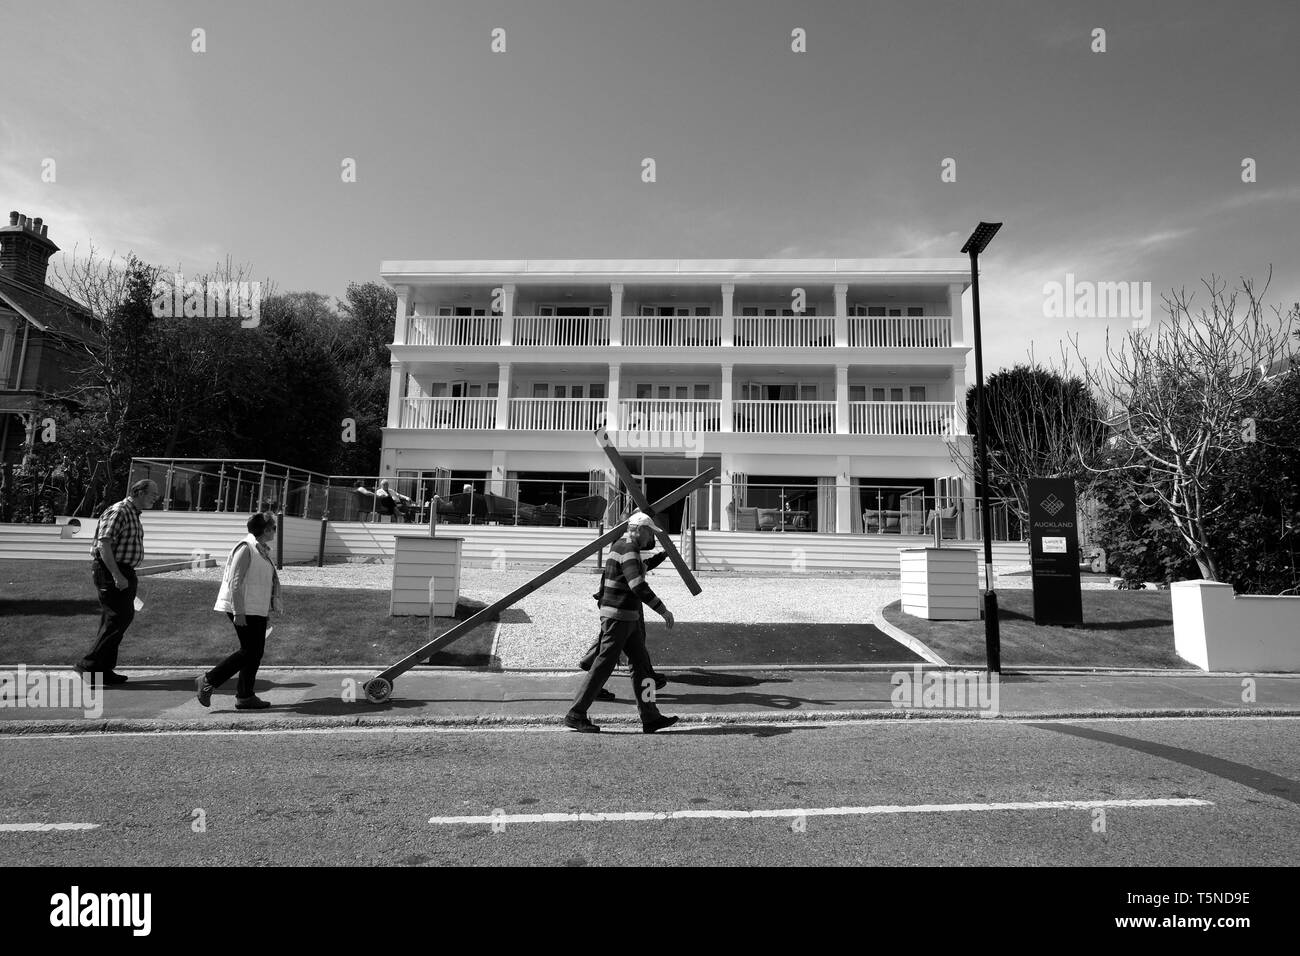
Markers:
116,611
619,637
589,658
252,645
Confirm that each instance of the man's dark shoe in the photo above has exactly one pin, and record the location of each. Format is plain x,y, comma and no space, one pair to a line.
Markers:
581,724
659,723
112,677
83,671
606,694
584,664
204,690
660,681
251,703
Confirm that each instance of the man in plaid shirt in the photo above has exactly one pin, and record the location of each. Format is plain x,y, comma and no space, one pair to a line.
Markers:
116,553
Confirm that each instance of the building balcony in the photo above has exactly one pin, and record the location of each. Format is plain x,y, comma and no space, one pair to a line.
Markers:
670,414
785,331
689,332
889,419
557,414
448,413
679,331
879,332
903,418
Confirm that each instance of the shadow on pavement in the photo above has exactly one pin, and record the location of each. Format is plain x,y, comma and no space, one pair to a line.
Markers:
1263,781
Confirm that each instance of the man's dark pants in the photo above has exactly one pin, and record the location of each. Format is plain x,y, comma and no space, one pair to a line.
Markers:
589,658
619,637
116,611
252,644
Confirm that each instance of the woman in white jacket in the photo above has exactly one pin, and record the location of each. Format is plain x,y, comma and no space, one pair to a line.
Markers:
250,591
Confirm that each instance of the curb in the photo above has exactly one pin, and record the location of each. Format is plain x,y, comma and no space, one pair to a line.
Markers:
252,724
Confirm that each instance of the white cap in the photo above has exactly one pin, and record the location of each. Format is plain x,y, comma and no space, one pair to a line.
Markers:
641,519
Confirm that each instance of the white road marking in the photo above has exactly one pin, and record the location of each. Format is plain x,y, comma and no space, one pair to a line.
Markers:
42,827
630,728
641,816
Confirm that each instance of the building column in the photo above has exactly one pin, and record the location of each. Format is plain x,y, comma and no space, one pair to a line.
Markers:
725,415
728,498
728,315
400,322
843,504
961,426
508,314
841,315
616,313
612,422
842,400
963,325
396,392
503,395
497,476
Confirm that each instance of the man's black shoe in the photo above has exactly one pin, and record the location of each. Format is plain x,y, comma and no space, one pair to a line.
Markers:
660,681
112,677
82,670
581,724
606,694
584,664
659,723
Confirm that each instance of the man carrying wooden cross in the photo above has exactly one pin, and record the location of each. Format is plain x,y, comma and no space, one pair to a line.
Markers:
625,591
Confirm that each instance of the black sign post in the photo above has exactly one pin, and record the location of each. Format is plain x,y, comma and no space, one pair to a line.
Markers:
1054,551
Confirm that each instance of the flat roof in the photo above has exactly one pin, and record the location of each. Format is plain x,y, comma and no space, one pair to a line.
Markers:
956,269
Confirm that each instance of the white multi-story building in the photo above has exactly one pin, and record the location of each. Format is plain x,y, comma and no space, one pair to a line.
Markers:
832,388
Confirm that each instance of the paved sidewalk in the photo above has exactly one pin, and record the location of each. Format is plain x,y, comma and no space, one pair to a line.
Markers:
163,699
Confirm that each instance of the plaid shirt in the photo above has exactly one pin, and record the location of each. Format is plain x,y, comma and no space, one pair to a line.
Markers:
121,524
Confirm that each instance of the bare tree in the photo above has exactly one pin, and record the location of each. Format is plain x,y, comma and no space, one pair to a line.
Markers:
1176,401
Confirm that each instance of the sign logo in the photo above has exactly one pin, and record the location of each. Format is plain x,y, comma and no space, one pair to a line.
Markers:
1052,504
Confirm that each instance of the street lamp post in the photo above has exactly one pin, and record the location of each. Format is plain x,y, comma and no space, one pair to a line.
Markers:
977,243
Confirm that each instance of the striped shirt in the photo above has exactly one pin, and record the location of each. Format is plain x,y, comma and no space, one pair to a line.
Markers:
625,588
121,524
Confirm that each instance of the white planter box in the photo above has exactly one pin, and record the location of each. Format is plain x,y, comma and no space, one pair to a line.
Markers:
1218,630
940,584
417,559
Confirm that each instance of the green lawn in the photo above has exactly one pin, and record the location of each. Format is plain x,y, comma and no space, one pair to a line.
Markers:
49,614
1120,629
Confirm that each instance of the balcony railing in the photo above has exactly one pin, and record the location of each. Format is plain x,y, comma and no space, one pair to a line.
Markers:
454,330
672,331
561,331
902,418
448,413
785,331
670,414
928,331
556,414
784,418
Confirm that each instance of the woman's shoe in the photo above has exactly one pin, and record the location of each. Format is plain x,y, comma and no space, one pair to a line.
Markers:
250,703
204,690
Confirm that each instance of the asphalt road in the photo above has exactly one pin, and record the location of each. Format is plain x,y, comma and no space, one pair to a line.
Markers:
345,797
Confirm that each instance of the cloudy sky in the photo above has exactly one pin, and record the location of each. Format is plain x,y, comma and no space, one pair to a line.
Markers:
1123,165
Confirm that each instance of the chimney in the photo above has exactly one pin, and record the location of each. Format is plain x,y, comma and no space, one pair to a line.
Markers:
25,250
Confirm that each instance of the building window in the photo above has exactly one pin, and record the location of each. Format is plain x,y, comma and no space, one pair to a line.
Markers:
916,393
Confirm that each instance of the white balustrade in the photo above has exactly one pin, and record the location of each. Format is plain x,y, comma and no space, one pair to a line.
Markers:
914,331
785,331
670,414
784,418
448,413
556,414
454,330
902,418
561,331
676,331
